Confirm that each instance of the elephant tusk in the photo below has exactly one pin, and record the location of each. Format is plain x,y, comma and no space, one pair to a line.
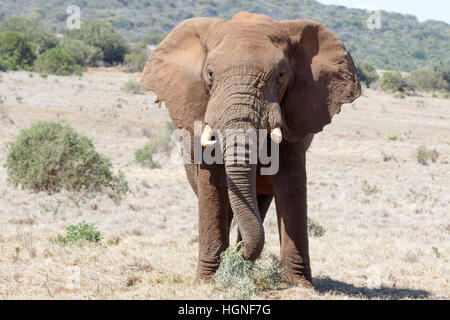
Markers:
206,137
276,135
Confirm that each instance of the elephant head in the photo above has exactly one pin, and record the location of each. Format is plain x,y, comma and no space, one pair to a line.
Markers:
290,77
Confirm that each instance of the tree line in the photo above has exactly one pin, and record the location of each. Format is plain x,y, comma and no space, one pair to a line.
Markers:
28,45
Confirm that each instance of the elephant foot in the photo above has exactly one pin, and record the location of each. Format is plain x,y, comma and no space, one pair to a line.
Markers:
204,279
302,280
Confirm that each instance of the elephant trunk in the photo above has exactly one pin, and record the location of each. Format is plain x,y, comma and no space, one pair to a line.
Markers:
241,181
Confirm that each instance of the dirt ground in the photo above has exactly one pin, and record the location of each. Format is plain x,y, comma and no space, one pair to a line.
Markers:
387,222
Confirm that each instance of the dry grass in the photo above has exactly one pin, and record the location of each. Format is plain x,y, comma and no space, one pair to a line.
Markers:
389,244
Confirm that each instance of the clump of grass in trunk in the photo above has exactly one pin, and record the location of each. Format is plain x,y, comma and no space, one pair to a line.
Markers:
51,156
240,279
80,232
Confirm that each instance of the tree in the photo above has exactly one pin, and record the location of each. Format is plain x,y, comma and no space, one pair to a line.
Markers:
59,62
85,55
15,51
430,79
394,81
153,39
101,34
33,32
367,73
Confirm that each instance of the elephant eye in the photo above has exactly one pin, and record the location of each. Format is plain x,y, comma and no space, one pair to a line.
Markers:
281,75
210,75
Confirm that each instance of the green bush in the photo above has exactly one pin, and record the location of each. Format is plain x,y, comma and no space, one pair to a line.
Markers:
135,62
368,189
367,73
241,279
394,81
429,79
423,155
59,62
315,229
50,156
132,86
80,232
15,51
85,55
157,143
153,39
101,34
144,156
33,31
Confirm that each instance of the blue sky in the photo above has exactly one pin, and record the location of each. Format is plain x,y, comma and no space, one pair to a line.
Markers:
422,9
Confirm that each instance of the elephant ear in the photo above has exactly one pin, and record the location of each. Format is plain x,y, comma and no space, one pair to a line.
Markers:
173,72
324,78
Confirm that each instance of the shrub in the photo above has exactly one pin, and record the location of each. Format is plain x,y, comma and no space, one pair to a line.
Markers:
431,79
368,189
423,155
153,39
85,55
394,81
101,34
315,229
33,31
122,23
132,86
241,279
80,232
144,156
157,143
15,51
392,138
135,62
367,73
59,62
50,156
399,96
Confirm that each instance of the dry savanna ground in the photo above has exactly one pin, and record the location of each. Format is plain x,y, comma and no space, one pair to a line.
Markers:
386,215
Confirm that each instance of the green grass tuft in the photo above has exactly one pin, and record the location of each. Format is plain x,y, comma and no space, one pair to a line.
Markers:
132,86
368,189
80,232
423,155
315,229
156,144
144,156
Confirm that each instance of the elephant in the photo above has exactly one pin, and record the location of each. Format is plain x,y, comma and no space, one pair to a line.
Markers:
250,72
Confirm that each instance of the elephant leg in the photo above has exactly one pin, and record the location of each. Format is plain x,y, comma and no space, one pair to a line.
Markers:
264,201
290,201
214,219
191,176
